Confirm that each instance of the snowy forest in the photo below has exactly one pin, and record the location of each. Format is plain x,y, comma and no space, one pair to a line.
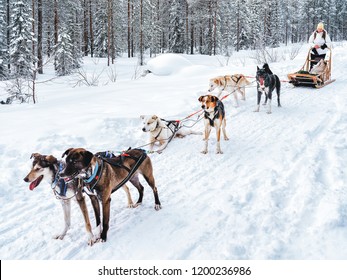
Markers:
33,32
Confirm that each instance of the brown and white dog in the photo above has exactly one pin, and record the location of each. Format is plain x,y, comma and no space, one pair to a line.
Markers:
106,176
47,167
214,117
230,83
162,131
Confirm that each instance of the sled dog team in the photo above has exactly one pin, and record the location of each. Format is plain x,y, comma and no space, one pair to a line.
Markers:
99,175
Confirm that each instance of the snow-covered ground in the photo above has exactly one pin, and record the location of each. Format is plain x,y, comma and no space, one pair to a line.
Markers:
277,192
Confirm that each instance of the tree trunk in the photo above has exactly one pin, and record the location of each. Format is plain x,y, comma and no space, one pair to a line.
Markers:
141,32
33,30
8,29
85,28
55,29
56,22
215,31
129,29
39,37
109,3
91,32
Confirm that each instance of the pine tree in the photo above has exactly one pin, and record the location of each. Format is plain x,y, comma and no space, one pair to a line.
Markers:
100,39
68,54
177,31
21,55
63,54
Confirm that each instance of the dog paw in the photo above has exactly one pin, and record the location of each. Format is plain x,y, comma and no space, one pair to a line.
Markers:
226,138
268,112
92,241
137,204
59,236
204,152
256,110
219,152
157,207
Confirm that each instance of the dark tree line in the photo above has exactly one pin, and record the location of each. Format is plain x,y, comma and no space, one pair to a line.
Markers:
64,31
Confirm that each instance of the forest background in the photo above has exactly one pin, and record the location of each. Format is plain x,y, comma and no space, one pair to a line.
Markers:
36,32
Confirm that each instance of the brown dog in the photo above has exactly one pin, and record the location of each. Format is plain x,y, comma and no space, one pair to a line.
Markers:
107,175
47,167
230,83
214,117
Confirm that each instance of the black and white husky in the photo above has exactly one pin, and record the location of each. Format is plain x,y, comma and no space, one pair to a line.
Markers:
266,83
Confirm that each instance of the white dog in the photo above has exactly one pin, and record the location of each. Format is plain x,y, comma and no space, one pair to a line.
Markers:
230,83
162,131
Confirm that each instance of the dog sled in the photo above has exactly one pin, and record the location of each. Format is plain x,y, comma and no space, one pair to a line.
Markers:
304,78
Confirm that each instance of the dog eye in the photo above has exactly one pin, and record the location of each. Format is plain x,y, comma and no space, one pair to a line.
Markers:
38,169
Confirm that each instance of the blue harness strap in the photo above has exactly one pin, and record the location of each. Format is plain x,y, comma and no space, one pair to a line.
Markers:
95,172
62,186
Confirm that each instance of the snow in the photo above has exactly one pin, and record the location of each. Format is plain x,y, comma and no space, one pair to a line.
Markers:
277,192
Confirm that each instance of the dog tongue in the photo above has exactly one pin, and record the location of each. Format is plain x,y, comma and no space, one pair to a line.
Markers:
35,183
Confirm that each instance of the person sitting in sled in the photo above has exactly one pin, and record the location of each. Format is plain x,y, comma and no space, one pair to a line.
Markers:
319,41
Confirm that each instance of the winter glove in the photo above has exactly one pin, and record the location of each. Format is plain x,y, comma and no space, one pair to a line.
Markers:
323,46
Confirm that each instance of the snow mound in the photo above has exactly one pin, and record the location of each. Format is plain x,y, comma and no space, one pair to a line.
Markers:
167,64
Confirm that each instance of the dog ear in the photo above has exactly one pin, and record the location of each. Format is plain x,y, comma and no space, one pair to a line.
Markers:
51,159
258,68
200,98
66,152
87,157
35,155
142,117
214,98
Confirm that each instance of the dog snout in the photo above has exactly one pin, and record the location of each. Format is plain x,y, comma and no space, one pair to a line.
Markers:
143,129
26,179
203,106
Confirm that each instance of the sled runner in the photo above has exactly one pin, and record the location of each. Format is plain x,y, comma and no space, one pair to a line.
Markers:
304,78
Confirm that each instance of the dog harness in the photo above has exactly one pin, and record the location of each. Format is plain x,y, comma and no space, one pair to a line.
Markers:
94,178
61,184
218,110
116,161
174,126
237,79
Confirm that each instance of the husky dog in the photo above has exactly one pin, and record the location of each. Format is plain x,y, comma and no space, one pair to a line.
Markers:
47,167
230,83
104,176
214,117
163,131
266,83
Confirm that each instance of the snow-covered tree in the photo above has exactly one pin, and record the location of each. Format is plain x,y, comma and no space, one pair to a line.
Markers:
68,53
21,55
63,54
177,26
